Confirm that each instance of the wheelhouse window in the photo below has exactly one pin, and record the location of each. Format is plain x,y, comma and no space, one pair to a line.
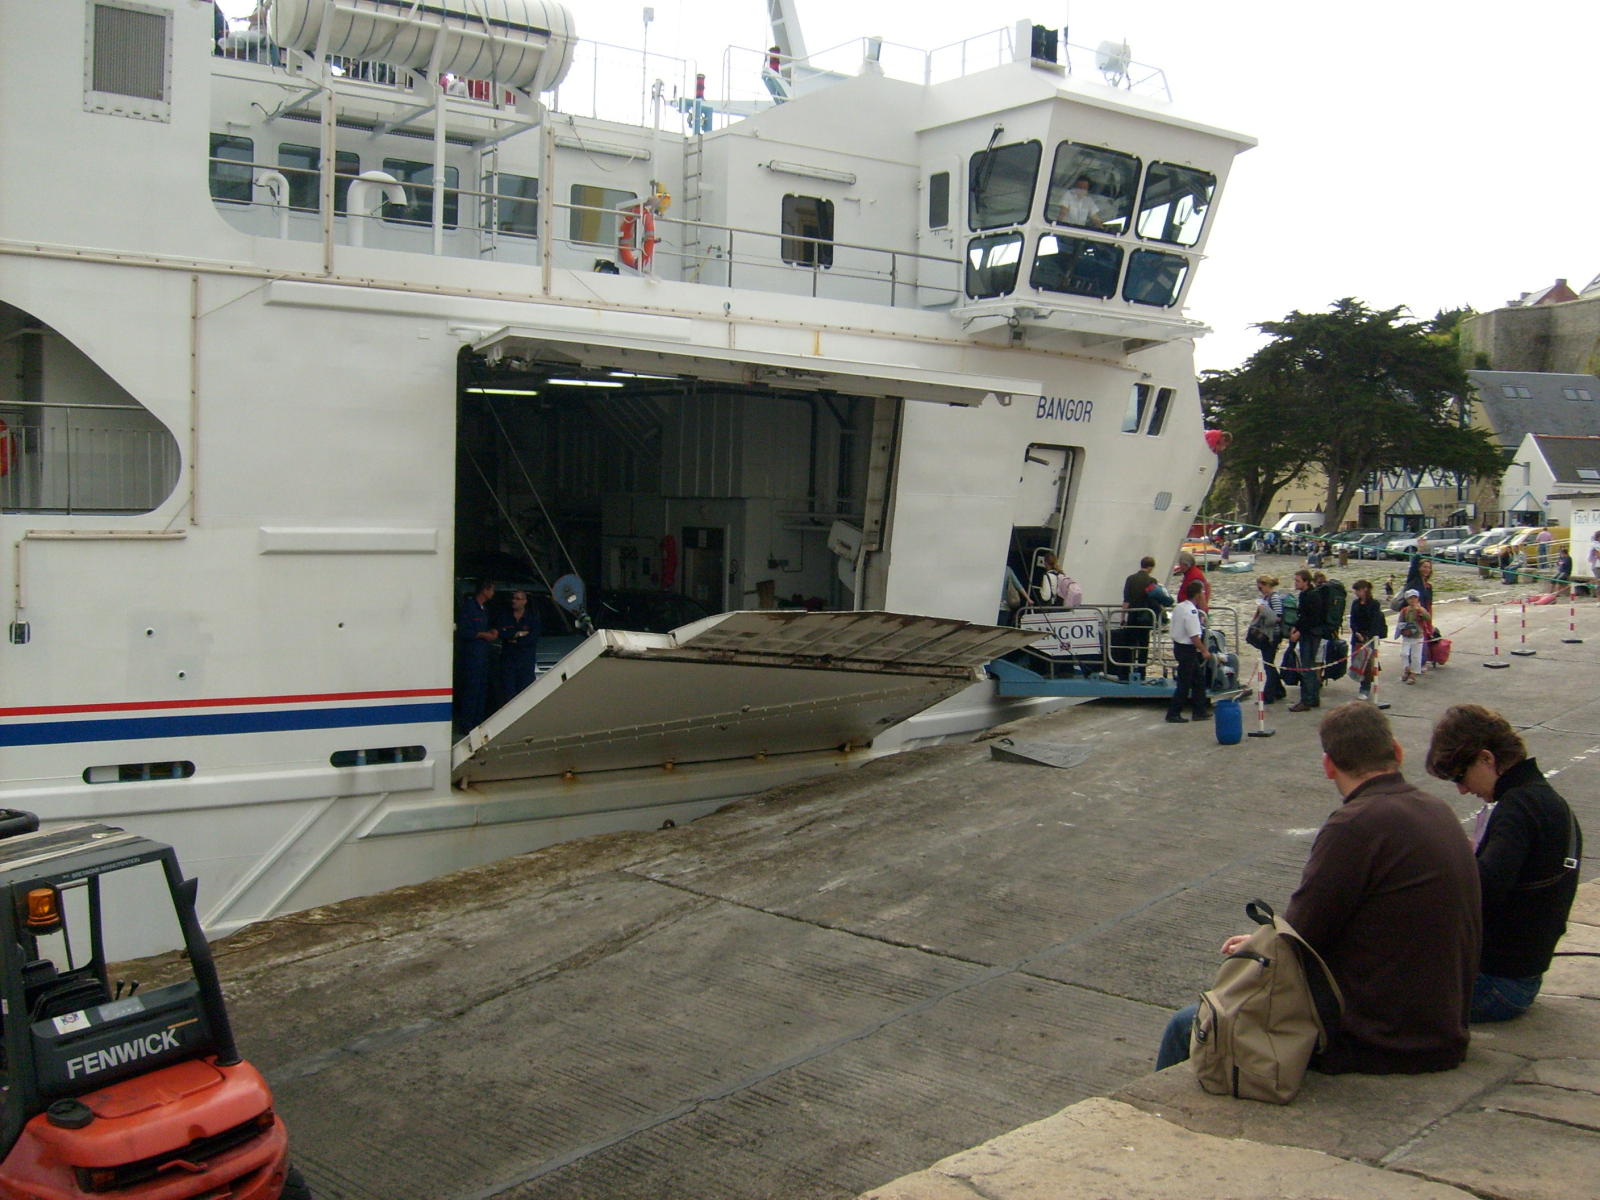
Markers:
1158,415
302,167
418,180
232,167
1000,184
1174,204
1154,278
939,200
992,263
515,205
1138,401
1092,188
807,231
1076,266
594,214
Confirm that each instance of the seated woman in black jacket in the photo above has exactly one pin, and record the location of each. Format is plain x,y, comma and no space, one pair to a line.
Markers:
1528,849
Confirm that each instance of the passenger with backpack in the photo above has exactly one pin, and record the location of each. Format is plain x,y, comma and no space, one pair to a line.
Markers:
1389,900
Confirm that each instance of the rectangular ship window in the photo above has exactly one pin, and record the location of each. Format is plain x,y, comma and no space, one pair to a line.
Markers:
593,220
1158,416
515,205
232,167
379,757
807,231
138,772
302,166
418,180
1138,401
939,200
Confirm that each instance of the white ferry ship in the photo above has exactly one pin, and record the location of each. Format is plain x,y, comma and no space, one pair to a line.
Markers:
302,323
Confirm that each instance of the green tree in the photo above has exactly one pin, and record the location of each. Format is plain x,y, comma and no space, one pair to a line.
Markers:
1355,391
1263,457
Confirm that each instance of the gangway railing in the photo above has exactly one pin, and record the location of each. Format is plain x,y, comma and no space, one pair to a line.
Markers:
1105,650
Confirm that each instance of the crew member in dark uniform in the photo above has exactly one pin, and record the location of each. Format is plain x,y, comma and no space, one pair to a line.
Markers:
519,646
475,639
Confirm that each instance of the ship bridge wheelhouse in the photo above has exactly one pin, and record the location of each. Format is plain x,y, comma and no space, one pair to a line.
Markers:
1075,219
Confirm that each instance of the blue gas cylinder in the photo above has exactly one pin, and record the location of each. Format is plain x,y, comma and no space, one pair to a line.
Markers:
1229,722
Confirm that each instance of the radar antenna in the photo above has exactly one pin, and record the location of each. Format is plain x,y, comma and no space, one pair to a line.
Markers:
1112,59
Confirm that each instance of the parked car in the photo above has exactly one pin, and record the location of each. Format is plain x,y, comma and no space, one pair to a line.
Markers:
1500,554
1370,544
1434,541
1466,550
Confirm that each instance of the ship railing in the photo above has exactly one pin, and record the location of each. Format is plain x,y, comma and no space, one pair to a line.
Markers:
1110,641
57,464
493,225
756,77
735,256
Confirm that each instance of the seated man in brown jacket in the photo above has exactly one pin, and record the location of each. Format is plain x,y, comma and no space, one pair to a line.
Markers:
1389,898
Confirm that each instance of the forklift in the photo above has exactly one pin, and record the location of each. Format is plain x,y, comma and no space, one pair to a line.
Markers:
108,1090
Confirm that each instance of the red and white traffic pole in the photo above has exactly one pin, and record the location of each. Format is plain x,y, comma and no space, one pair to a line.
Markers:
1522,650
1496,663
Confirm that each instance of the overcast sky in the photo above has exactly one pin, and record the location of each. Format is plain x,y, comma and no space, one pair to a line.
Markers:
1425,153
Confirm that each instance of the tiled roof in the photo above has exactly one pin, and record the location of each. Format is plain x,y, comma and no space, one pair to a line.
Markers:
1569,457
1517,403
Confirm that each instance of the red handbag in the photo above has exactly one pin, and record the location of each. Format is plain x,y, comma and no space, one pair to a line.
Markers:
1439,651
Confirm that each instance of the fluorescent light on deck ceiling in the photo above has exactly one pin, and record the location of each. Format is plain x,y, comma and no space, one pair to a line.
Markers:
483,391
636,375
585,382
589,146
808,172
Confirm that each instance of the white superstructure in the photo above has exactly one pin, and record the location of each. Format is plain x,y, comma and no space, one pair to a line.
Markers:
299,323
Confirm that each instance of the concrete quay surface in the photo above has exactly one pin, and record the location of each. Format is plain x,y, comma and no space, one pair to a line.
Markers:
835,984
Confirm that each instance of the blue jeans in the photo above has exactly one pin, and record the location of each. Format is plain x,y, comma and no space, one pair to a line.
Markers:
1496,998
1175,1039
1310,675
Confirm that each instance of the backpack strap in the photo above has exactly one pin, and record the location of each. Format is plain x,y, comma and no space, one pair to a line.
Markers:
1568,863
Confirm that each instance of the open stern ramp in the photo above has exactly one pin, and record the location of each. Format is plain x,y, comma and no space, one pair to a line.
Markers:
741,685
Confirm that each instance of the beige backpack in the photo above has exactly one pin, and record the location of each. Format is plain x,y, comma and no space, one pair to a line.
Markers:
1271,1006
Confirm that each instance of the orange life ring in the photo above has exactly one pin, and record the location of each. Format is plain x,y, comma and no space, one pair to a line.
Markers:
638,255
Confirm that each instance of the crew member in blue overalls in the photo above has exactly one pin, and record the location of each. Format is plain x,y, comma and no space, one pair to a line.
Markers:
519,646
475,639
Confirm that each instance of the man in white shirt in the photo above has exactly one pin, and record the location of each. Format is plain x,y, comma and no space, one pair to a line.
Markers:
1079,207
1189,648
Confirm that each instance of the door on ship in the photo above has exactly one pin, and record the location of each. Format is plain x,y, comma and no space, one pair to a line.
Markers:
1039,519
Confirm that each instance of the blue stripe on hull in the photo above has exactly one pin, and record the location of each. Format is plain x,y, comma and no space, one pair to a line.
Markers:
51,733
